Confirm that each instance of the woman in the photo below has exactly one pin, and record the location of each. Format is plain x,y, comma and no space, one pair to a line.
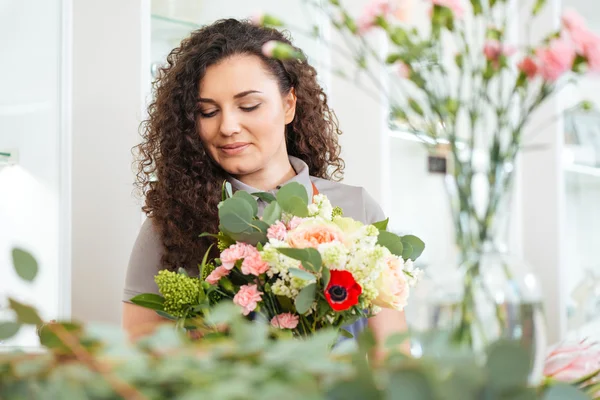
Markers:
224,111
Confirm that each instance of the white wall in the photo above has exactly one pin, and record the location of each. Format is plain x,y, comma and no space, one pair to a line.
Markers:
108,70
30,122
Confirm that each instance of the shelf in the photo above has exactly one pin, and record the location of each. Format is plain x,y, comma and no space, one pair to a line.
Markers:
583,170
169,29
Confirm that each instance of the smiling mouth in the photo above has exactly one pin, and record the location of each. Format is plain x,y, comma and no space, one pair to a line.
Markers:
234,148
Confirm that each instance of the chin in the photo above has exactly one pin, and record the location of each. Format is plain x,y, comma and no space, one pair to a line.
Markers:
240,166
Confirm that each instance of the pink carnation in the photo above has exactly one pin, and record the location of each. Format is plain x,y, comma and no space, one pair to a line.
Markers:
277,231
295,222
247,297
587,43
555,60
254,265
569,362
529,67
285,321
454,5
217,274
235,252
376,8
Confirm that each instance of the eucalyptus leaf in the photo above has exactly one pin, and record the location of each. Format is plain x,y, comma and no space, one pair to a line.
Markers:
295,206
149,300
260,226
392,241
410,384
417,245
25,264
563,391
9,329
508,365
292,197
309,257
346,334
272,213
252,238
407,250
26,315
381,225
265,196
305,298
304,275
247,197
235,215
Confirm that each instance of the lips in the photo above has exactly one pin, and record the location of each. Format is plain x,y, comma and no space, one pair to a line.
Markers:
234,148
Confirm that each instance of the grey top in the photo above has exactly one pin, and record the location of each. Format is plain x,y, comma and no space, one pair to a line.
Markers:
145,260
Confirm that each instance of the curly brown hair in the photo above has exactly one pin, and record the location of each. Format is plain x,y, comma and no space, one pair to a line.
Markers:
181,183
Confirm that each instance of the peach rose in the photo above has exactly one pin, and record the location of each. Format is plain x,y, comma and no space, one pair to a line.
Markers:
313,236
392,285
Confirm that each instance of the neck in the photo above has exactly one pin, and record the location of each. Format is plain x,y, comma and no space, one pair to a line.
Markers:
269,177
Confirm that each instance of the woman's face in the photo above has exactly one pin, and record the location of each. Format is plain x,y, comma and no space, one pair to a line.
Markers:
242,116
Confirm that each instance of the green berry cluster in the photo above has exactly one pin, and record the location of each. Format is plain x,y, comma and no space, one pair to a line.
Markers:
337,212
180,291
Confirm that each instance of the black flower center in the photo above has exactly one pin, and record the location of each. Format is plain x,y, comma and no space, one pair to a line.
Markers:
338,293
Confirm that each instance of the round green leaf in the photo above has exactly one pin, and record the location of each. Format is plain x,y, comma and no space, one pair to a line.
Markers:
9,329
260,226
325,276
265,196
293,189
272,213
310,258
235,215
407,250
25,265
417,246
305,298
563,391
392,241
295,206
247,197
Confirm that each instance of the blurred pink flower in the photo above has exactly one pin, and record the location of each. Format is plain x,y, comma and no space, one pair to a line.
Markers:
529,67
269,47
454,5
572,361
235,252
217,274
254,265
555,60
493,49
572,20
247,297
277,231
294,222
403,70
376,8
285,321
587,43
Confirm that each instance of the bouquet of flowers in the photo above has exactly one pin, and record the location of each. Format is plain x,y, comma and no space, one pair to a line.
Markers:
300,266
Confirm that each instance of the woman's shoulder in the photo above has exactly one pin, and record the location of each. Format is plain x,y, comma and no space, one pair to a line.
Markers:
355,201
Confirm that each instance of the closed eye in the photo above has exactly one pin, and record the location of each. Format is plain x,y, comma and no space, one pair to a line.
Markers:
248,109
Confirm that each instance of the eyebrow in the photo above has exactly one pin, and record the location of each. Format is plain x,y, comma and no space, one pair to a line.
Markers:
237,96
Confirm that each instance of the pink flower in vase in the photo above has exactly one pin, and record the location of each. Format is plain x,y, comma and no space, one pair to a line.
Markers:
376,8
247,297
285,321
572,20
556,59
493,49
529,67
403,70
570,362
587,43
215,276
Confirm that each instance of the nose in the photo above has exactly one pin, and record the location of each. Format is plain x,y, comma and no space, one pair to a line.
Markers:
230,124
